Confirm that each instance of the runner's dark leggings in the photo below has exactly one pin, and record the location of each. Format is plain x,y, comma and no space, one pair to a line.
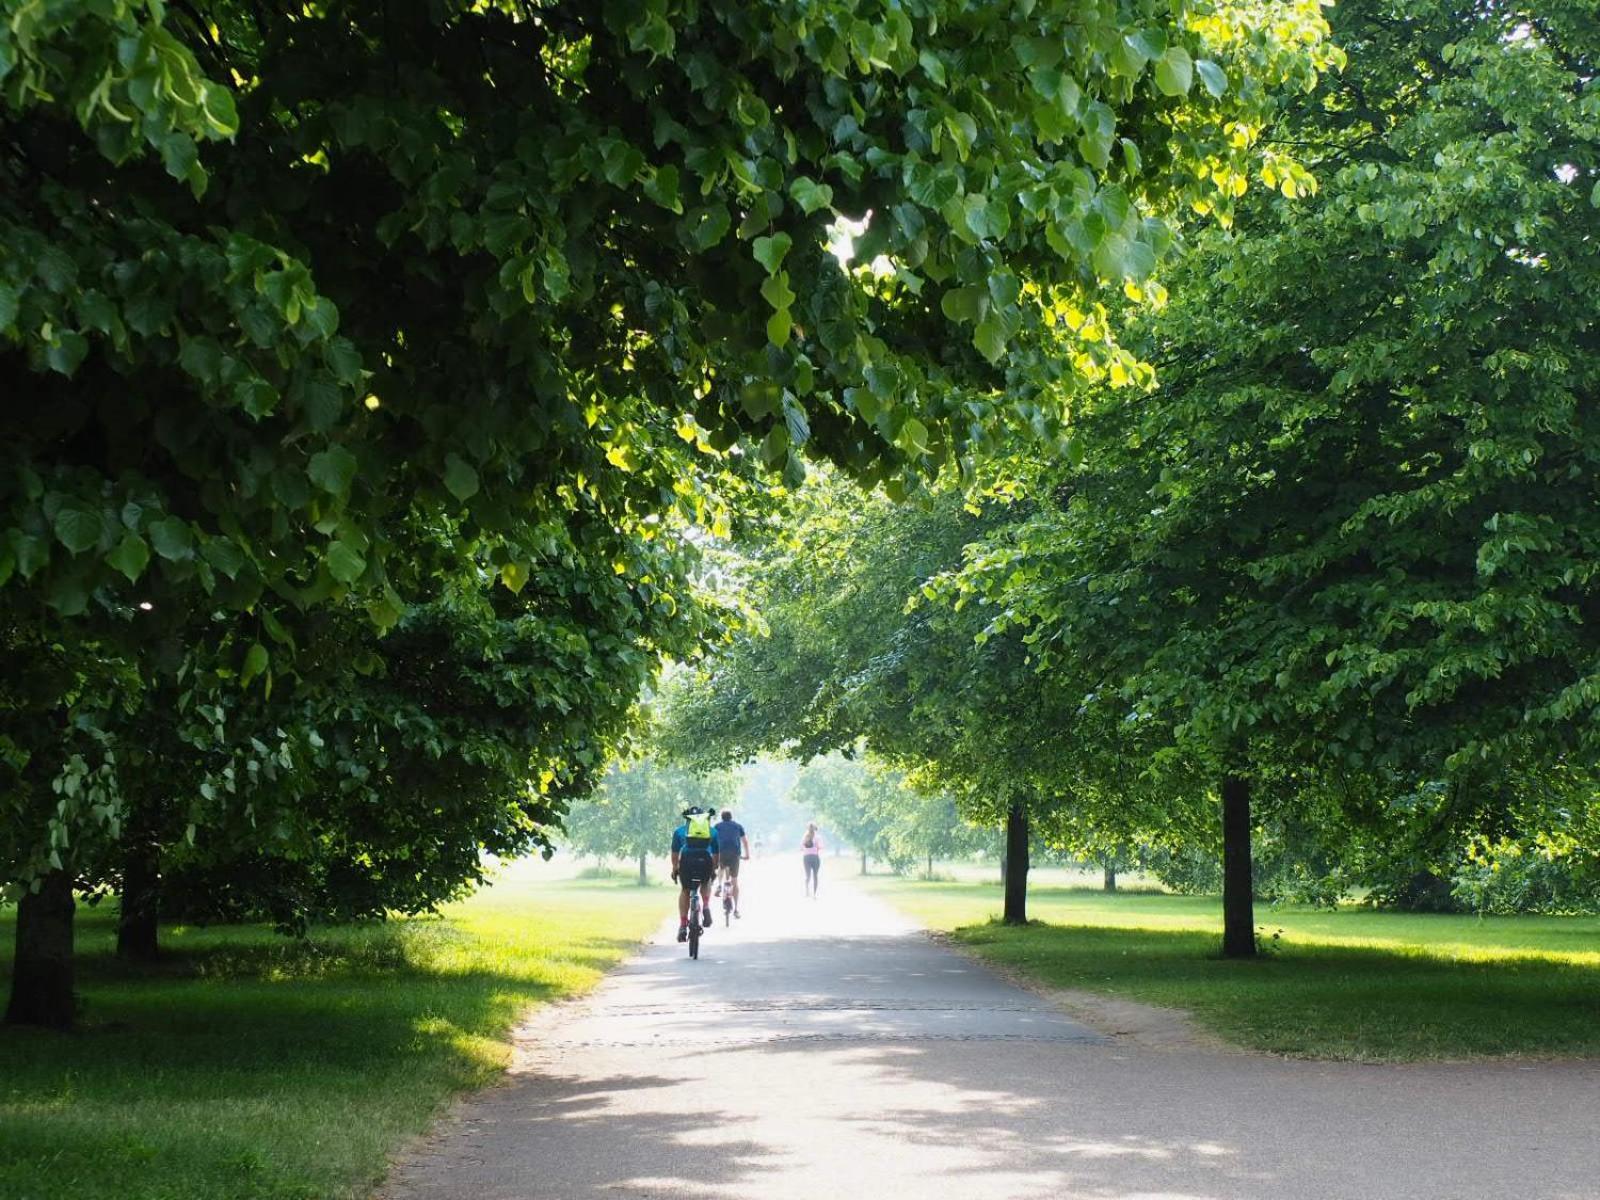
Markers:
813,871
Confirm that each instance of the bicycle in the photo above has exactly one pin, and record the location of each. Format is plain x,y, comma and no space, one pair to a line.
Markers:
697,915
694,920
727,898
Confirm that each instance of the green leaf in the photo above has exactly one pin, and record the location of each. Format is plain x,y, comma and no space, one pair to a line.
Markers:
217,103
810,195
1111,257
1175,72
31,553
79,526
131,556
333,470
386,610
990,338
662,187
770,251
913,437
708,225
775,446
256,660
68,595
965,303
66,352
796,422
654,33
963,132
760,398
10,305
322,402
515,576
1213,77
1140,261
460,477
224,555
779,325
620,163
345,562
776,291
172,539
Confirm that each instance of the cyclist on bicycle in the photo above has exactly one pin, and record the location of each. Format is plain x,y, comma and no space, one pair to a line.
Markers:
730,838
694,864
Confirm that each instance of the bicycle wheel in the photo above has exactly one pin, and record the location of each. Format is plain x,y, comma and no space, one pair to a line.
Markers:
694,926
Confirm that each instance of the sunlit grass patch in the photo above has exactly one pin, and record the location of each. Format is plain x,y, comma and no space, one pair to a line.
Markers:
1348,983
251,1065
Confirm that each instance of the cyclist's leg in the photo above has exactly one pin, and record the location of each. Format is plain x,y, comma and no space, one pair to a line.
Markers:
705,899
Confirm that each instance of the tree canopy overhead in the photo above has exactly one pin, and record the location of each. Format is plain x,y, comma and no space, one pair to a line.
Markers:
278,275
351,306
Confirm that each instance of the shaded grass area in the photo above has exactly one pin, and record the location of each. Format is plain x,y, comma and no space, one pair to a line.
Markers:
1343,984
255,1067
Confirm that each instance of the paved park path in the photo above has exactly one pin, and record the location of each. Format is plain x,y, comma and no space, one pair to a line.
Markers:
828,1049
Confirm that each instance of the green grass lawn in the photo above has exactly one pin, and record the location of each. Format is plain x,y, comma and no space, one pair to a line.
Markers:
1347,984
253,1067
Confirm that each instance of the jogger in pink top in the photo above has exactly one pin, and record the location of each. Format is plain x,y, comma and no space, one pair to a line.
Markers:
811,850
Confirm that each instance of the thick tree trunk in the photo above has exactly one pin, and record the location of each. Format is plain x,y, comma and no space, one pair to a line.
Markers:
643,878
41,978
136,925
863,862
1110,878
1238,888
1016,870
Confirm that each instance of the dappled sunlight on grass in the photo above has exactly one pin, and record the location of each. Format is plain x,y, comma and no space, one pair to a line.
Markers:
1350,983
247,1064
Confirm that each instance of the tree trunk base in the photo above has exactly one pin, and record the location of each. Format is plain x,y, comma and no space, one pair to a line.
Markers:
1016,870
1238,883
42,974
137,934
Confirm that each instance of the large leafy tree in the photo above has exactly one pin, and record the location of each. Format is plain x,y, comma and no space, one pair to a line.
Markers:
282,283
1342,552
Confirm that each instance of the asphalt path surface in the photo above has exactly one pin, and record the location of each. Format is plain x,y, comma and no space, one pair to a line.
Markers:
828,1048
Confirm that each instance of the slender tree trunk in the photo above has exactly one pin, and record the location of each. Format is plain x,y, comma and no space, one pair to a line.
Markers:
1016,872
41,978
863,862
1238,888
136,924
1110,877
643,878
930,866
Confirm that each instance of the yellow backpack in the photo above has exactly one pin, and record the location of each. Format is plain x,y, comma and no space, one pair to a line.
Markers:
697,828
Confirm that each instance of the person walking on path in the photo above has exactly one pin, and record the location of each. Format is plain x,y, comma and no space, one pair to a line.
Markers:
811,851
730,839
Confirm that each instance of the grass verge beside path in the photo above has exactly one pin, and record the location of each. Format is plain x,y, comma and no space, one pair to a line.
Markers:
254,1067
1346,984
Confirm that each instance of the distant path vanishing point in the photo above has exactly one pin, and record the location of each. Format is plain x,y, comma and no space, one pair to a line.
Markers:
828,1048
